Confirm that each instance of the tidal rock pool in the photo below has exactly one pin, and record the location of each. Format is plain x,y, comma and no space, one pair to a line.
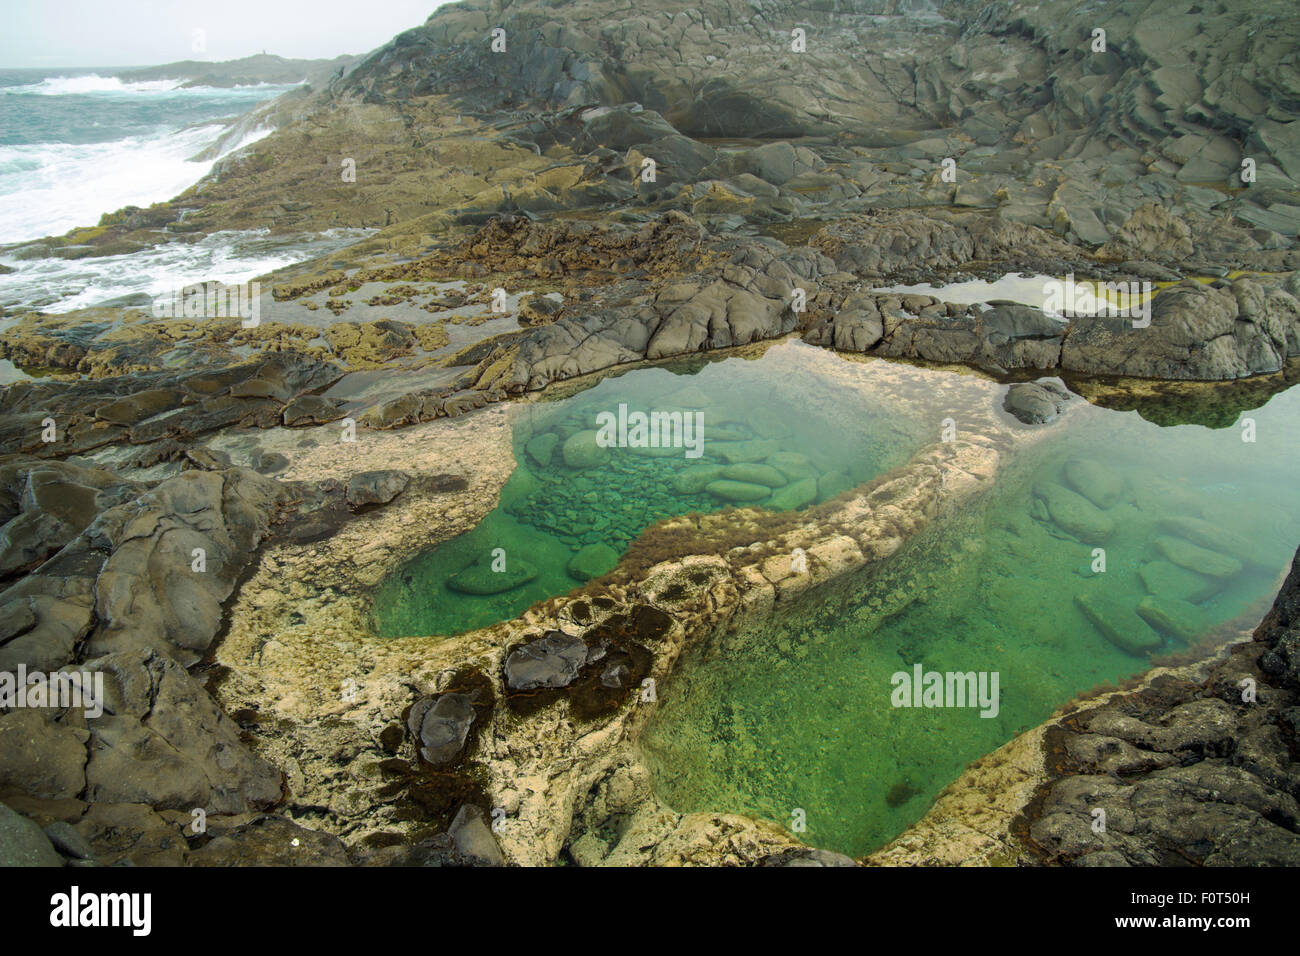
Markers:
798,719
786,428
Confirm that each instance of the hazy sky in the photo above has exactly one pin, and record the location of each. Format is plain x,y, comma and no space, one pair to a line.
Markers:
52,33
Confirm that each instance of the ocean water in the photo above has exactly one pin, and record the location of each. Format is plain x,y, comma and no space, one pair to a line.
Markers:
777,410
794,720
75,144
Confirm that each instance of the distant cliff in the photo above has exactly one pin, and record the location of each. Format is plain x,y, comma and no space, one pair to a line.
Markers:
249,71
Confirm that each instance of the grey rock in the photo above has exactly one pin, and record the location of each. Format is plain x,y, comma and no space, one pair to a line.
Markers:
553,660
375,487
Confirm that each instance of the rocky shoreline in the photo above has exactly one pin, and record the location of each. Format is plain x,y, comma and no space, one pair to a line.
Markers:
251,692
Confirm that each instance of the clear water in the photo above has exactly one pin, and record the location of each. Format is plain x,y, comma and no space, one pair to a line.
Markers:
788,399
796,714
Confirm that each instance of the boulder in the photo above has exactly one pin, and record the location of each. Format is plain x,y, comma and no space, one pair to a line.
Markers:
592,561
1170,616
1117,620
553,660
794,495
375,487
1195,558
793,465
310,410
693,479
1036,403
480,579
1094,481
1074,514
1208,534
441,725
737,490
1163,579
581,450
756,474
541,447
23,843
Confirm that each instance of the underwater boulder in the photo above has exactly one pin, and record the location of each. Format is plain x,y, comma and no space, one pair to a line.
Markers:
835,483
592,561
793,465
736,452
1207,534
1118,621
1074,513
581,450
737,490
694,478
480,579
1169,580
1168,615
756,474
541,447
796,495
1195,558
1094,481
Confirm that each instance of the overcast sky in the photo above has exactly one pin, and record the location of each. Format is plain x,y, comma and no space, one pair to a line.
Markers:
55,33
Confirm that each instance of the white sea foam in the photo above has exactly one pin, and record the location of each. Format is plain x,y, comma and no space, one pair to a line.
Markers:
61,285
92,83
48,188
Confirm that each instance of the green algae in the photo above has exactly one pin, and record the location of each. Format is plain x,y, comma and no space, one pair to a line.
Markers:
792,720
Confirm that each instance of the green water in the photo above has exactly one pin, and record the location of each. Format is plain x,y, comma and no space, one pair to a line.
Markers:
796,715
778,411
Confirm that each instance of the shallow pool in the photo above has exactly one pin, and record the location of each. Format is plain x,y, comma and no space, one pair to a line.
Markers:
789,427
795,720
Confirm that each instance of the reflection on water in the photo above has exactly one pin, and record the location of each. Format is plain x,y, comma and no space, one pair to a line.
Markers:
1196,527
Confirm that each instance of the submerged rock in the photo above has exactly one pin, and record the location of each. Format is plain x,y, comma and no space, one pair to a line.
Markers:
695,478
828,486
592,561
1170,616
581,450
1117,620
1094,481
737,490
1074,514
1169,580
1195,558
479,578
756,474
793,465
1207,534
541,447
794,495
